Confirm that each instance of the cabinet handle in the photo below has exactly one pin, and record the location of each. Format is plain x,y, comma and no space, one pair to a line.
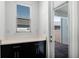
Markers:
16,54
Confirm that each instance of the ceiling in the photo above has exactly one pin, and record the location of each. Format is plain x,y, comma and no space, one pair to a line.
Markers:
62,10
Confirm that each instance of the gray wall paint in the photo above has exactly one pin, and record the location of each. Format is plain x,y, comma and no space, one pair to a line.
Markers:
11,18
39,21
78,26
2,20
43,18
73,29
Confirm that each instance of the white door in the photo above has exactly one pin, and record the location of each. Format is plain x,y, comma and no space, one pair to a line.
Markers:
56,33
64,30
72,33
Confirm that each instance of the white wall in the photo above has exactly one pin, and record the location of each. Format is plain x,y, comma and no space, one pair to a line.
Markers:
11,18
73,29
78,26
2,20
43,18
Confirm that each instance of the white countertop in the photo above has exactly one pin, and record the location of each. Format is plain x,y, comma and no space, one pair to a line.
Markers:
13,40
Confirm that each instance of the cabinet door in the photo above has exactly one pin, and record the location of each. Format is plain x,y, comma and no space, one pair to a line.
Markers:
16,51
6,51
40,49
27,50
24,50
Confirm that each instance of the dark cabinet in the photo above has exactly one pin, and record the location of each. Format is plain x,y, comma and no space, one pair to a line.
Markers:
6,51
24,50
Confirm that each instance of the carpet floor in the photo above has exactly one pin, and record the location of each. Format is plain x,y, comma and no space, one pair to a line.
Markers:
61,50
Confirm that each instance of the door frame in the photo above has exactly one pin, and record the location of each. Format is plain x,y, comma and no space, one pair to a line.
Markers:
73,44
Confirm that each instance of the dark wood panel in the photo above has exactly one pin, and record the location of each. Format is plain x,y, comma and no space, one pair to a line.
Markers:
24,50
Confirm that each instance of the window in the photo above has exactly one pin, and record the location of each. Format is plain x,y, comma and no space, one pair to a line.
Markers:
23,18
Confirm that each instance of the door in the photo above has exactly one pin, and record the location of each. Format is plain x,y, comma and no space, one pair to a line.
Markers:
72,15
59,32
64,30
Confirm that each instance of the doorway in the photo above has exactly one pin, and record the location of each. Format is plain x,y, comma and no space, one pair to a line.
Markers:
72,41
61,31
